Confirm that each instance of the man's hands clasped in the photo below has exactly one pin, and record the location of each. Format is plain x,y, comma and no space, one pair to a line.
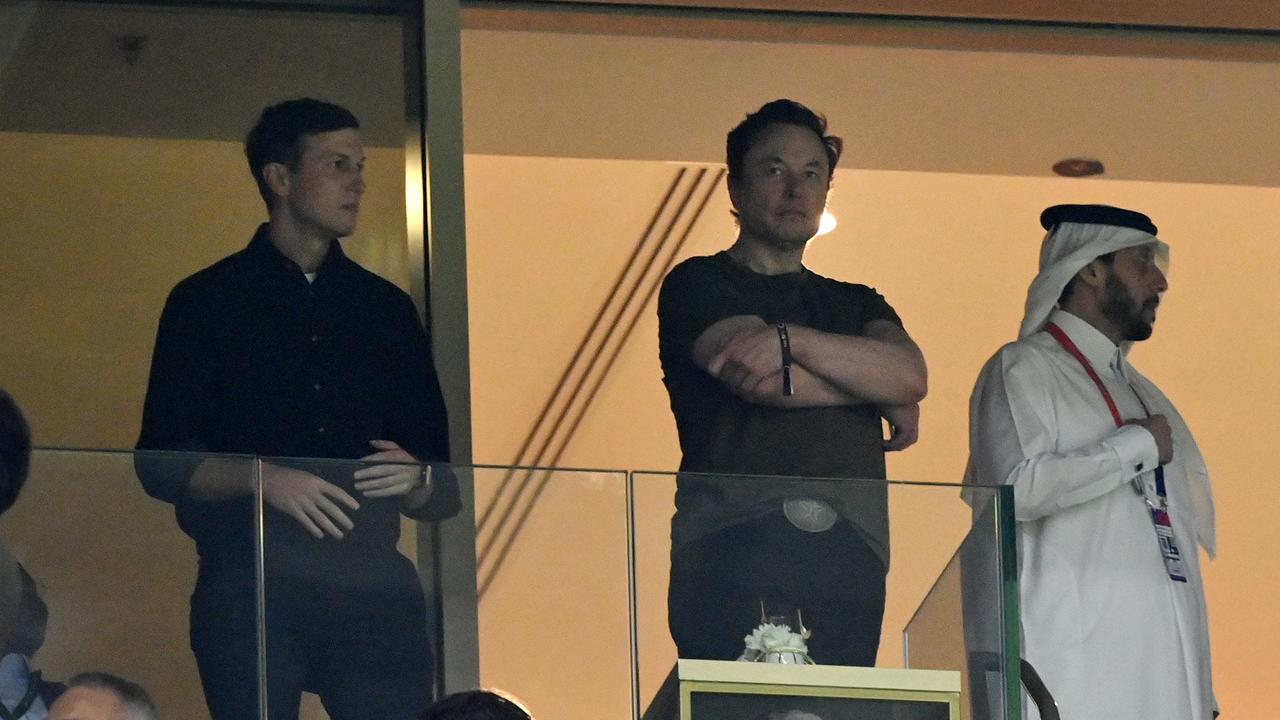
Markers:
321,507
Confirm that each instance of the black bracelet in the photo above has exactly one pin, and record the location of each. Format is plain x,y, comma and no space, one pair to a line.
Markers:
785,340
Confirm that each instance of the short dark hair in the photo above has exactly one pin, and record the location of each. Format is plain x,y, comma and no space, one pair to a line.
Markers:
476,705
15,451
1067,291
778,112
131,694
278,135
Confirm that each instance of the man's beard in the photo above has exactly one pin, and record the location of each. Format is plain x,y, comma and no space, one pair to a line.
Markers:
1124,312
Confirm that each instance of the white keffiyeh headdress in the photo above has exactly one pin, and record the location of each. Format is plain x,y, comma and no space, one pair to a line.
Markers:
1067,248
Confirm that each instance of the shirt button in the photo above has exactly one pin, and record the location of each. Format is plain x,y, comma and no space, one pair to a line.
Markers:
320,431
315,338
317,387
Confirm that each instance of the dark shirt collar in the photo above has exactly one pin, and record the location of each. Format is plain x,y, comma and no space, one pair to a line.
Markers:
265,254
744,271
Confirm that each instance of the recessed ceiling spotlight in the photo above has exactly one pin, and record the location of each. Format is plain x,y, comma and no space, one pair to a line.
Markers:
1079,167
827,224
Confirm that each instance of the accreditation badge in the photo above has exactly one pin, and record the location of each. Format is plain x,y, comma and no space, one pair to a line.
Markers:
1173,563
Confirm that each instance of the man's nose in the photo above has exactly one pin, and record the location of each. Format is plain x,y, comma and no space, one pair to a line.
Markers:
1162,282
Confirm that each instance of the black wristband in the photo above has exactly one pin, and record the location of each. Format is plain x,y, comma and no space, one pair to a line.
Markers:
785,340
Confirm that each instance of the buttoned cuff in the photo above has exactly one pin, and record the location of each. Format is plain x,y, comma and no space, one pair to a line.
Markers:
1136,448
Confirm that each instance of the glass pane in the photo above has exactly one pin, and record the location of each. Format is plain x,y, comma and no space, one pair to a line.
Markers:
969,618
802,555
116,573
551,549
553,577
655,650
346,617
552,580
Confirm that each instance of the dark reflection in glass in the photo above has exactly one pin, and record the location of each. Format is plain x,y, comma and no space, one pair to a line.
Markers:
122,125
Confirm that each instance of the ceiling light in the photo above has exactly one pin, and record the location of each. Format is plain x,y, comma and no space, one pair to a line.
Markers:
827,224
1078,167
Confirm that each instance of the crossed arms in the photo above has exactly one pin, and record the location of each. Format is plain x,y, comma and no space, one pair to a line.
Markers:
883,367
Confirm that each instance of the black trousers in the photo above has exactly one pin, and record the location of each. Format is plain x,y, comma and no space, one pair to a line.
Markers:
364,650
832,577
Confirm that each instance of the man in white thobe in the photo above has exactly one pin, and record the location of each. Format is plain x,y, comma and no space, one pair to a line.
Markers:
1110,491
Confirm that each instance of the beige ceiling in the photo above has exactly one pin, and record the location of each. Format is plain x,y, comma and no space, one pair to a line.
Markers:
195,72
905,96
1234,14
1006,113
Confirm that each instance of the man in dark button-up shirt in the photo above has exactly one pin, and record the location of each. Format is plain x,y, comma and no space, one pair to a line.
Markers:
290,349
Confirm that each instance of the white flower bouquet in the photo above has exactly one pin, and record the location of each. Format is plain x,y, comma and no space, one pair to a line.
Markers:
774,643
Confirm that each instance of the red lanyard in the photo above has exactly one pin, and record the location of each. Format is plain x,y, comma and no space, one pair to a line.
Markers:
1071,348
1074,351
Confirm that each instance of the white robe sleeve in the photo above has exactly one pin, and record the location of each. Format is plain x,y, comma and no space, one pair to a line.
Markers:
1016,415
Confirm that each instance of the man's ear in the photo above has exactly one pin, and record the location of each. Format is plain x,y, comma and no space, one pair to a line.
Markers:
277,177
732,186
1094,274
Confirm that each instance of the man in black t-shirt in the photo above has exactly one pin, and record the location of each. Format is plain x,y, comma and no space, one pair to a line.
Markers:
775,370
